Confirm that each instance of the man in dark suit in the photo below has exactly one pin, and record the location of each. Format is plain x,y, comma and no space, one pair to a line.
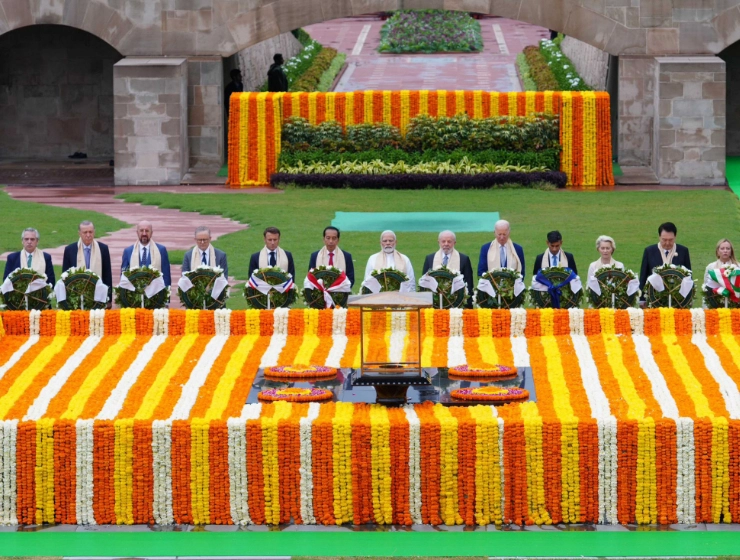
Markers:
204,253
502,252
272,254
332,255
555,256
146,253
449,256
91,255
31,257
667,251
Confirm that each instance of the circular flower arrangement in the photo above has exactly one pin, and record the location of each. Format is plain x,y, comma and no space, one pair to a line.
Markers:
613,281
199,296
390,280
497,371
503,281
444,277
80,284
274,276
315,298
727,295
556,275
141,277
294,394
672,276
495,394
18,299
301,372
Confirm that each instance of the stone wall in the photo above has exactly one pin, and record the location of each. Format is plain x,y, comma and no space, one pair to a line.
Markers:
151,112
592,63
256,60
205,111
636,110
56,93
689,134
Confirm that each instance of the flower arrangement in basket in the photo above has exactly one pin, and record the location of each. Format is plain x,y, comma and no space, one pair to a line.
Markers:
670,286
448,285
270,287
387,280
500,288
203,288
80,289
142,287
556,287
24,288
613,287
723,288
326,287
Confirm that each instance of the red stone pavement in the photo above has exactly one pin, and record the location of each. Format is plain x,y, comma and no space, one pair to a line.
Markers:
172,228
489,70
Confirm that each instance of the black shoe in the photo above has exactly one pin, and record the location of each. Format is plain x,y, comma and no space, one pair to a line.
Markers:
78,155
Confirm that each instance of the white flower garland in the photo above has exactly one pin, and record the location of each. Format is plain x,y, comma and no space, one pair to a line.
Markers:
575,316
60,378
456,343
727,387
414,464
398,337
339,338
662,394
520,351
222,318
685,480
608,470
238,471
85,479
637,320
198,377
115,401
278,340
280,321
8,472
518,321
97,322
162,471
306,470
33,322
698,321
161,322
502,471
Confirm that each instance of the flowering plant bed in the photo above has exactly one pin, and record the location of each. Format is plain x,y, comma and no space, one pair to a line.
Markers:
294,394
301,372
488,372
430,31
493,394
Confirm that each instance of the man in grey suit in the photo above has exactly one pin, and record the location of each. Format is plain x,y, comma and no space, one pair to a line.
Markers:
204,254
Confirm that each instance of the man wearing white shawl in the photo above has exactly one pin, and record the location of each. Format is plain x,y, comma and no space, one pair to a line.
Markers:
331,255
450,257
666,251
90,254
31,257
146,253
555,256
502,252
204,254
389,257
272,254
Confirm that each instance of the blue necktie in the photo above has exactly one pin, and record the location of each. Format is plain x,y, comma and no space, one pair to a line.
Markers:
554,260
145,258
87,257
204,259
273,262
503,257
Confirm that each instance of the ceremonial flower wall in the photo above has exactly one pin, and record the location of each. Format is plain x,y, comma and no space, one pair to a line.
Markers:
135,416
256,119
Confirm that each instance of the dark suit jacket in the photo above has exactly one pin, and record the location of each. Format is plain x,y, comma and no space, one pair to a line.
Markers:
126,262
483,258
569,256
465,268
347,259
14,261
651,258
70,261
254,263
220,262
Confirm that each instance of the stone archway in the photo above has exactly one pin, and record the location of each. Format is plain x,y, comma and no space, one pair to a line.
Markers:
56,93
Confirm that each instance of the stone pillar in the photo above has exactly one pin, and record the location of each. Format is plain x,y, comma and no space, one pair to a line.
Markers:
150,121
636,109
206,111
689,133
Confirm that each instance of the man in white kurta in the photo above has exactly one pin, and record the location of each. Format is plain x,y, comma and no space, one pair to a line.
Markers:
388,257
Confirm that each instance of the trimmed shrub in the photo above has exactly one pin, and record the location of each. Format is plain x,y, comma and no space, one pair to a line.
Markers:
309,80
327,78
540,71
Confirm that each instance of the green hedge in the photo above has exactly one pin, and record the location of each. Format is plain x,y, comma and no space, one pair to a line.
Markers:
562,67
540,72
525,73
309,80
327,78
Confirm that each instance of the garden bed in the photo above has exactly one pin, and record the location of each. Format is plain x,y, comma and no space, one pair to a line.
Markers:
546,68
430,31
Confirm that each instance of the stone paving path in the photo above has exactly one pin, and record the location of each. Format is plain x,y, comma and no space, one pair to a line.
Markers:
172,228
493,69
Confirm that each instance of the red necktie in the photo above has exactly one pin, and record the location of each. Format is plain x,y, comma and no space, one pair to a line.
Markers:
331,259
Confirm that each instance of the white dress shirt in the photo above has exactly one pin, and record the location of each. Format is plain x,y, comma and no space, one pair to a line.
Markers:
389,263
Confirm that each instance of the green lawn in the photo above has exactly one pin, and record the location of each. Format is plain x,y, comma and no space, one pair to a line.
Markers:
57,226
632,218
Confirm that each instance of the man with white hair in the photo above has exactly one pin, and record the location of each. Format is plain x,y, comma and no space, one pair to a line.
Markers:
502,252
31,257
450,257
389,257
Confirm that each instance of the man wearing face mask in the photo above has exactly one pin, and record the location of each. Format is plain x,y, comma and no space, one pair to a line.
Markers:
450,257
389,257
